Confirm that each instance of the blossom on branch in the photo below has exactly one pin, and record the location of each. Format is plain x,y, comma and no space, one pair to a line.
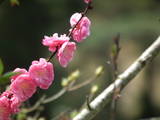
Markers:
5,110
82,28
54,41
13,100
65,53
42,73
23,87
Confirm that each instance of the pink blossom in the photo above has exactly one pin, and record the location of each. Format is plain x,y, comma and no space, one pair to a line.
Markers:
66,52
23,87
42,73
87,1
54,41
15,104
19,71
14,101
82,29
75,18
5,111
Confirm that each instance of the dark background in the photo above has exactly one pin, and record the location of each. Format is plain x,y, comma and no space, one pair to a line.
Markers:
23,27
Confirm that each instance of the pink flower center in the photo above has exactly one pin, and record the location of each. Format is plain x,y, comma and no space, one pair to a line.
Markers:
24,86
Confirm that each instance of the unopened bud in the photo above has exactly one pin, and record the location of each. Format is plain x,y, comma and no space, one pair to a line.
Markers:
74,75
99,70
64,82
94,89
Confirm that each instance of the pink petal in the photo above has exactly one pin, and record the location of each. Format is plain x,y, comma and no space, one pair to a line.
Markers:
23,87
65,53
42,73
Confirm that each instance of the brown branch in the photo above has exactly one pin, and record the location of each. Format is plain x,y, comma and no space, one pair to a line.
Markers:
122,80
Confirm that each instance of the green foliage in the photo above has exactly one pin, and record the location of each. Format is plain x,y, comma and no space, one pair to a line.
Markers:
6,77
21,116
114,50
1,67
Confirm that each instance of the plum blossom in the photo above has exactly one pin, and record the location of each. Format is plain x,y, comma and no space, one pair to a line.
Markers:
23,87
54,41
75,18
14,101
42,73
5,110
82,29
15,104
87,1
66,52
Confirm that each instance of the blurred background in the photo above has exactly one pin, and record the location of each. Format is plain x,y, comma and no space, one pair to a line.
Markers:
23,27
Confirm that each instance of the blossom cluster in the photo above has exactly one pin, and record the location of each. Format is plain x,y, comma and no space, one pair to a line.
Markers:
23,86
41,73
80,29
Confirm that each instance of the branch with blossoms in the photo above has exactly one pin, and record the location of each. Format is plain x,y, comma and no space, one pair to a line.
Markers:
68,85
41,73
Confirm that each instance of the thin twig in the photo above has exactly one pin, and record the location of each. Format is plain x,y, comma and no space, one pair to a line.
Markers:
36,105
82,84
122,80
115,54
56,96
69,88
59,94
53,54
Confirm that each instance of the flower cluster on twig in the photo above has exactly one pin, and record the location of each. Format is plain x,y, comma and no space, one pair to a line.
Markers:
41,73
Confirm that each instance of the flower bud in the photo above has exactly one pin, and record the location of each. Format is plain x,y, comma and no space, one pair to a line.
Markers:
64,82
99,71
94,89
74,75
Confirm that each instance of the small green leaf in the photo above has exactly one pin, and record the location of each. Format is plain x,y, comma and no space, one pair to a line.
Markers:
6,77
14,2
114,50
1,67
10,74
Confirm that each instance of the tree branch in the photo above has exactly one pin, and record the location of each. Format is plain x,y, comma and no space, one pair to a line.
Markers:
122,80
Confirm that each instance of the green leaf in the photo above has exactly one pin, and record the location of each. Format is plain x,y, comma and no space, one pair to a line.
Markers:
114,50
6,77
14,2
1,67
